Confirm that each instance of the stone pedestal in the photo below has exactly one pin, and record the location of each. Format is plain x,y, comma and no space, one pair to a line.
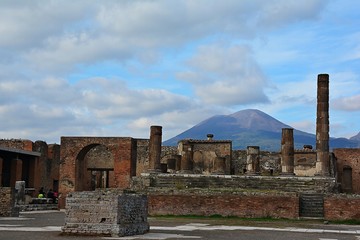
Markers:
106,213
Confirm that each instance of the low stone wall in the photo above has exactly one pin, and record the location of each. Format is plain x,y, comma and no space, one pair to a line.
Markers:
250,205
7,203
342,207
106,212
278,183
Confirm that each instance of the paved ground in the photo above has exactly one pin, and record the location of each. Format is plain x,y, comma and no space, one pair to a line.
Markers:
47,225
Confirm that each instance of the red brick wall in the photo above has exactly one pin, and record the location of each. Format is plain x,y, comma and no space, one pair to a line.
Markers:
349,157
276,206
74,175
342,207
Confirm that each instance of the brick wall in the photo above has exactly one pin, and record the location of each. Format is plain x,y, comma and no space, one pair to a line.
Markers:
240,205
349,157
7,203
74,172
342,207
105,212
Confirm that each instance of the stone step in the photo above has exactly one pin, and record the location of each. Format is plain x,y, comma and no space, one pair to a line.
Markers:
311,205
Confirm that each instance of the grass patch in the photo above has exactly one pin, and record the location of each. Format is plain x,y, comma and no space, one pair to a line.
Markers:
346,222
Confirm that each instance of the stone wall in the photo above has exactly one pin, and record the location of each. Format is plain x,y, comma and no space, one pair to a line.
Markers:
7,203
342,207
142,158
235,183
22,144
348,159
106,212
225,204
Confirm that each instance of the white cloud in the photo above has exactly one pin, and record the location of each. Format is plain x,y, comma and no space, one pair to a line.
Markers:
226,75
44,44
351,103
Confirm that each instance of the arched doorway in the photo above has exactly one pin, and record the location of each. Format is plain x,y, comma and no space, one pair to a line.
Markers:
94,166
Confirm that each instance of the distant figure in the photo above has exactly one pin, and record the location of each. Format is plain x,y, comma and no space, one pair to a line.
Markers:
50,194
41,193
55,197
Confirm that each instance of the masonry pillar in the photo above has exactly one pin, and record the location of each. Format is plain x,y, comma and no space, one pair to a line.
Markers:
287,151
178,162
19,192
186,158
253,160
155,149
16,171
1,170
322,126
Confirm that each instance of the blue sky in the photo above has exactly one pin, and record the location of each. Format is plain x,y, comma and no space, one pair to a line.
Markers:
114,68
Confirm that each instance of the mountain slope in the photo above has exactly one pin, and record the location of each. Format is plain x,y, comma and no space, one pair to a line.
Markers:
251,127
356,137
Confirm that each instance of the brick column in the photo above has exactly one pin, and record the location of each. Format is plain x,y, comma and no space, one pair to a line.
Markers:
287,151
155,149
322,126
253,160
186,158
16,171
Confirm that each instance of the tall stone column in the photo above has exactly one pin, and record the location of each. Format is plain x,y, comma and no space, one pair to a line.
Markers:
322,126
155,149
287,151
253,160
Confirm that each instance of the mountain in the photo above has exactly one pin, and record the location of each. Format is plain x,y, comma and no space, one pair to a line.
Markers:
356,137
252,127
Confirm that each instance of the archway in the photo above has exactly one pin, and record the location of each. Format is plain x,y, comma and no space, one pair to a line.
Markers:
94,166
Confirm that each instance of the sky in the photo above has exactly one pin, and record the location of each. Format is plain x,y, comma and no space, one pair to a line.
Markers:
115,68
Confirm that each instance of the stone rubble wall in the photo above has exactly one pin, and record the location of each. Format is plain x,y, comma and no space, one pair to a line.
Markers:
7,203
106,212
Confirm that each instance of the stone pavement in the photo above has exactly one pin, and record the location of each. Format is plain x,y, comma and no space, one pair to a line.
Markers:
47,225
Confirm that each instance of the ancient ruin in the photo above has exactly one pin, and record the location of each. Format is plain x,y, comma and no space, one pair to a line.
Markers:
198,177
106,212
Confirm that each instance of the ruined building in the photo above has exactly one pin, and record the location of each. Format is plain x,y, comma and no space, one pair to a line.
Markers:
202,177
